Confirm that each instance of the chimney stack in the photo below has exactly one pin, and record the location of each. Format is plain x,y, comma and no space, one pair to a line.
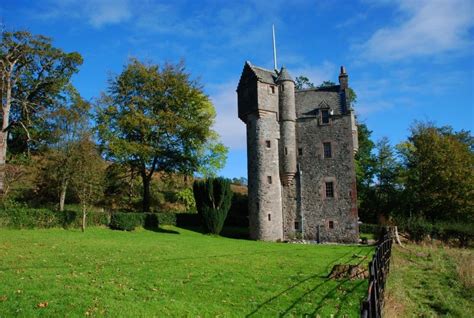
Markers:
343,78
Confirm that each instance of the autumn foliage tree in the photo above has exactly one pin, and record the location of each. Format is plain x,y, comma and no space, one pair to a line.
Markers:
155,118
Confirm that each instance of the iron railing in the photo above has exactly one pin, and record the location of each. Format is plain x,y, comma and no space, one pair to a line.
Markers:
379,267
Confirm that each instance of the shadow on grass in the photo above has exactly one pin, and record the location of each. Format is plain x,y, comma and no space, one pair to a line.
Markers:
328,295
318,275
160,230
241,233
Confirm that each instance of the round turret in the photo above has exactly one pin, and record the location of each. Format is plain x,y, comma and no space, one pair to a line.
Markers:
287,125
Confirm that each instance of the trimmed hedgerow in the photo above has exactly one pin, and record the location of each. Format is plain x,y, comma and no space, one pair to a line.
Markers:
126,221
22,217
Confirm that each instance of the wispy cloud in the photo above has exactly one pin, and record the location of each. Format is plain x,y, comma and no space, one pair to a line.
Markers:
228,125
326,71
426,28
96,13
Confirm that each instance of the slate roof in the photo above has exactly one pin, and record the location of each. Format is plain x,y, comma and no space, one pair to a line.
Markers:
264,75
284,75
334,88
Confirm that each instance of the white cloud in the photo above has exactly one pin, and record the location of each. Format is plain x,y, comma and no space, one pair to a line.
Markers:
317,74
228,125
428,27
97,13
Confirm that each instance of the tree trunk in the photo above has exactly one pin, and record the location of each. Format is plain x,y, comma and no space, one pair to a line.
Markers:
83,218
4,134
62,195
146,192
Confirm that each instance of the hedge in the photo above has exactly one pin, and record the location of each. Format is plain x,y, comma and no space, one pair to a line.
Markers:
21,217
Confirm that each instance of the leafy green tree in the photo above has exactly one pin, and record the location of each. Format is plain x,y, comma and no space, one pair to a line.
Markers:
365,163
69,122
302,82
213,157
88,177
33,73
440,174
155,119
213,198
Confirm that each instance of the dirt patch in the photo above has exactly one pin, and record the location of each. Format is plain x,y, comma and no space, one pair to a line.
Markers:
346,271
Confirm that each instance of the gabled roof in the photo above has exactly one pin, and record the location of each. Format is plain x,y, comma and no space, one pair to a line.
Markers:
262,75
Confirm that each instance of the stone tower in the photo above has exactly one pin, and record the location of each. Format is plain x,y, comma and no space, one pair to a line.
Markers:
300,154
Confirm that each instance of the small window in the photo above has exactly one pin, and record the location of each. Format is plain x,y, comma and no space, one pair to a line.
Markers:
327,150
286,151
282,87
269,217
269,179
272,89
325,116
300,151
297,225
268,143
329,190
331,224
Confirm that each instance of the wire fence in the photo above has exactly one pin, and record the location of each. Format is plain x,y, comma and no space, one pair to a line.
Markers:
379,267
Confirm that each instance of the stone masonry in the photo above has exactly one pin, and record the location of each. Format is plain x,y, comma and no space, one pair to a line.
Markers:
300,155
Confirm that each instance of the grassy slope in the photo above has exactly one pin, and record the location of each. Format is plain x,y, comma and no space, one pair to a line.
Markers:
178,273
424,282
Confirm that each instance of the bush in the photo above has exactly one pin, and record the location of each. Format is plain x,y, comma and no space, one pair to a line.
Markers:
213,199
20,216
238,214
126,221
374,229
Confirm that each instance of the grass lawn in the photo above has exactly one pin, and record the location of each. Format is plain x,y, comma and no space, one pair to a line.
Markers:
174,272
430,281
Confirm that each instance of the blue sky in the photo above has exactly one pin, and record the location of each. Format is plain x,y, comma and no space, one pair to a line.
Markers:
407,59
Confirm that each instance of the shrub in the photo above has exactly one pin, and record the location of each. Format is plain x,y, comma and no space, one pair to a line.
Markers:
126,221
238,214
374,229
213,199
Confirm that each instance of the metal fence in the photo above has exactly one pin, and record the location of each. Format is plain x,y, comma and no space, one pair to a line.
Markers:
378,271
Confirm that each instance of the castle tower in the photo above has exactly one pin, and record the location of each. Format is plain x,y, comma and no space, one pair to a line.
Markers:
287,126
258,107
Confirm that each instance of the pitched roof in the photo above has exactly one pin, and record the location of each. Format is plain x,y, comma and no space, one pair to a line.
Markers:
284,75
264,75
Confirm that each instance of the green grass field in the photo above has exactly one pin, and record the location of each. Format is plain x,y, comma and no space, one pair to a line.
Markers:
430,281
174,272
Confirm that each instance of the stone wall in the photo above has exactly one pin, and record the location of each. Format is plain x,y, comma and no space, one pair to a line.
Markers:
321,212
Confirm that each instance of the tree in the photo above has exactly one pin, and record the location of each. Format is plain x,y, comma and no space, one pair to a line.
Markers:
88,178
387,181
365,171
302,82
440,174
155,118
32,73
213,198
69,122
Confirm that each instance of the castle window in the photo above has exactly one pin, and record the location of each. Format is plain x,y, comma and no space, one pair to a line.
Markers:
269,217
286,151
282,87
300,151
268,143
327,150
331,224
269,179
325,116
297,225
329,189
272,89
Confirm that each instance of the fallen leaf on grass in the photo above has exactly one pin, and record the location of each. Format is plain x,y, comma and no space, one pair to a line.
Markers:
42,305
3,298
